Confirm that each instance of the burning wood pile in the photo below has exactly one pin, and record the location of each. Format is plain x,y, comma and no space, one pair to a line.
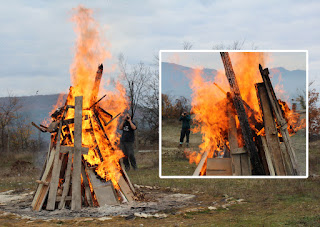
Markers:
83,166
242,140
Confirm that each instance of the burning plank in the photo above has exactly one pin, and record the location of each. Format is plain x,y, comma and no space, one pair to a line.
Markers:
293,166
240,160
243,118
250,132
272,139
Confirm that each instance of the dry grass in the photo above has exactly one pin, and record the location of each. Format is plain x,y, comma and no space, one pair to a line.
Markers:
269,202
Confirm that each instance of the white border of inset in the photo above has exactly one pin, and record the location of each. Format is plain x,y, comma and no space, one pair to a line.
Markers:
233,177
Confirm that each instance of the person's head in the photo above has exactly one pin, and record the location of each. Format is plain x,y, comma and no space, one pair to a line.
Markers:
185,113
127,116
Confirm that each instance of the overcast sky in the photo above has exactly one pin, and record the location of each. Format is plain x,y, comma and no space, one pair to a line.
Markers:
37,37
212,60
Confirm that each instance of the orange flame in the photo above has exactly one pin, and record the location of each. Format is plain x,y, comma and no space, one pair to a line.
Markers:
89,51
209,104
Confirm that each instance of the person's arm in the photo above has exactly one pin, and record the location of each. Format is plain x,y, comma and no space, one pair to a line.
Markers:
188,117
133,126
182,117
121,125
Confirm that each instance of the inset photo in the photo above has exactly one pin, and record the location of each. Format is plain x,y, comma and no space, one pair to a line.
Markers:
233,114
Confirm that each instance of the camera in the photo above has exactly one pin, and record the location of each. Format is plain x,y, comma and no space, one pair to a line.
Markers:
128,118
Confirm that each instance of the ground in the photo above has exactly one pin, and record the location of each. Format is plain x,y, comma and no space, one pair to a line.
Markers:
223,202
173,156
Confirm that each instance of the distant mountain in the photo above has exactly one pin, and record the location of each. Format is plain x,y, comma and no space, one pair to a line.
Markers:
37,107
175,80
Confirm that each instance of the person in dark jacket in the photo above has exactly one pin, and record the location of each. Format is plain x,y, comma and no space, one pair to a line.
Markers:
185,130
127,140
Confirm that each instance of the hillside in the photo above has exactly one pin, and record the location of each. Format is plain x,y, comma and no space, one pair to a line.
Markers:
176,78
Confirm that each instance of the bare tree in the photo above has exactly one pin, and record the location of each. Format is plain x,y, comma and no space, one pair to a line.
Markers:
8,109
136,79
187,45
236,45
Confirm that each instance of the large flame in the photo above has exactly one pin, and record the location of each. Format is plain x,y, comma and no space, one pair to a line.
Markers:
89,52
209,103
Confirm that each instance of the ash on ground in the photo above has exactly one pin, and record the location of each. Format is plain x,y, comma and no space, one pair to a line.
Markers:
154,201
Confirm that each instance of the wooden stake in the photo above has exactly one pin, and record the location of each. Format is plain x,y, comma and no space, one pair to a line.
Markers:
280,120
76,174
66,182
272,139
268,156
201,164
242,116
55,171
233,140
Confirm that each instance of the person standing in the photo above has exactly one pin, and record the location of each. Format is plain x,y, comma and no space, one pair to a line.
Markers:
127,140
185,130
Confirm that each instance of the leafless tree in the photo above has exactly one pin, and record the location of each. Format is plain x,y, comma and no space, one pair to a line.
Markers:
236,45
187,45
8,110
136,78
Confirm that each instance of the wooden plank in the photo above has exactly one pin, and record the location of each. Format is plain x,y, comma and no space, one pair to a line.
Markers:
67,198
76,173
104,191
200,165
44,177
96,86
233,140
66,149
125,188
127,177
86,186
240,158
55,171
268,156
272,139
219,167
242,116
66,182
239,150
280,120
245,165
44,189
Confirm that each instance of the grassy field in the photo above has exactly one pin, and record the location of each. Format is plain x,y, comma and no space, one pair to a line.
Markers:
294,202
175,163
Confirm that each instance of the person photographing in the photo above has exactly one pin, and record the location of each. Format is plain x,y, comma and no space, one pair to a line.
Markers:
127,140
185,130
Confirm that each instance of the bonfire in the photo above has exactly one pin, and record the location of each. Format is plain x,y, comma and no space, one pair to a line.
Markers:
83,165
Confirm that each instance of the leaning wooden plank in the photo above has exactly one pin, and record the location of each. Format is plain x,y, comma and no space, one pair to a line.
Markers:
242,115
268,156
126,177
280,119
86,186
44,189
200,165
125,189
66,183
55,171
43,194
233,140
43,178
270,130
103,190
77,162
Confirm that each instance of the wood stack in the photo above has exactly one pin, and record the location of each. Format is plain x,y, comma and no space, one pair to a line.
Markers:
262,154
67,179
